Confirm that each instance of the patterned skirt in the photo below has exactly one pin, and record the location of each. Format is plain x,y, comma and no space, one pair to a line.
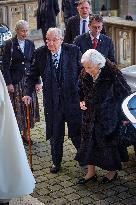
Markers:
20,108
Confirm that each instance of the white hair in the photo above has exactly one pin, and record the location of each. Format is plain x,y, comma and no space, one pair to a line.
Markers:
21,24
93,56
55,30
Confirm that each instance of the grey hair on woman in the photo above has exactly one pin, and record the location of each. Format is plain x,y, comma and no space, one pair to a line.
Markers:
21,24
93,56
55,30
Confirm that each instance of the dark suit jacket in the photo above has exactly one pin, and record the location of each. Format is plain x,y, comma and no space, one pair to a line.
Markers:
15,62
104,46
71,67
73,29
46,13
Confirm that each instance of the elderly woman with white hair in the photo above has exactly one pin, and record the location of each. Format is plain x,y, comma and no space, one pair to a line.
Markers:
102,90
17,60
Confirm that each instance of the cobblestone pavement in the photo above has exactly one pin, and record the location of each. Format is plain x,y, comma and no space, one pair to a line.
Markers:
61,188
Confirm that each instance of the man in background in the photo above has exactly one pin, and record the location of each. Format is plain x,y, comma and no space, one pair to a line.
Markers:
46,14
78,24
95,39
69,9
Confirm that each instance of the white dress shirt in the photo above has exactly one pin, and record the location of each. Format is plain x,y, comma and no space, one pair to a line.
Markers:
92,37
21,44
86,26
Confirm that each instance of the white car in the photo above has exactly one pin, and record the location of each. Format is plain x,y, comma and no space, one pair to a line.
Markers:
129,104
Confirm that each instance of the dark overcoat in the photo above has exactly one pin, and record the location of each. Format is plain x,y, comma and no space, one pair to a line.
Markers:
103,99
46,13
105,45
71,67
15,62
69,8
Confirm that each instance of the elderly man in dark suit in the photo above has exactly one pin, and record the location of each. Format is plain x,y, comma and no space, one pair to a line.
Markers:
78,24
94,39
46,14
59,66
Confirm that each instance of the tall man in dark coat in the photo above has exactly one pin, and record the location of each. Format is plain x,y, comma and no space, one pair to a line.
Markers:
59,66
69,9
46,14
94,39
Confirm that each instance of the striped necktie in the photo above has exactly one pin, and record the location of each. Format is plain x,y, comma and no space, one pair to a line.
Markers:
55,60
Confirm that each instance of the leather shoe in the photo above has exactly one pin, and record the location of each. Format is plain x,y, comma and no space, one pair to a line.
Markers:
105,180
54,169
84,181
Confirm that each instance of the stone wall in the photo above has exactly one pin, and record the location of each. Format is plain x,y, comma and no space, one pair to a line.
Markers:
123,34
132,8
128,7
13,10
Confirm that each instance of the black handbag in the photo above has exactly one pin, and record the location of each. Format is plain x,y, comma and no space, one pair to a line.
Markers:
127,134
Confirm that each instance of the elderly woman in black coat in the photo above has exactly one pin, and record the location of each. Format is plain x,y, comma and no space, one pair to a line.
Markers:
102,90
17,61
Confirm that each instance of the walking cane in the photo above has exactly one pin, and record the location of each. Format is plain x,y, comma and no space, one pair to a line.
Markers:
28,136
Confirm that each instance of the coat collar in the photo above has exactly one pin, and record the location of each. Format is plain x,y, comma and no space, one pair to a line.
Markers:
78,25
26,47
104,75
90,43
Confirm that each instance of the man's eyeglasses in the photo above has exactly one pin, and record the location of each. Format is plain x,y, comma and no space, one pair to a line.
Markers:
52,40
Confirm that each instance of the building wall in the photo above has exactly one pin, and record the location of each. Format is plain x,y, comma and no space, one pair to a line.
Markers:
132,8
128,7
109,4
123,7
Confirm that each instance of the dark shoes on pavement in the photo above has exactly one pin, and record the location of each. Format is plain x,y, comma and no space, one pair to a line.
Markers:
55,169
105,180
83,181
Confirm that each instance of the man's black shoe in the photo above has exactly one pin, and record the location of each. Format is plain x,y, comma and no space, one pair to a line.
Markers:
54,169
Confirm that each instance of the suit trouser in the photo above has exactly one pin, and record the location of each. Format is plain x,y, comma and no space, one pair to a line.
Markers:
44,31
57,138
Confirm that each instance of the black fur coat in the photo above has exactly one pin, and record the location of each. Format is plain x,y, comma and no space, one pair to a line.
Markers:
103,99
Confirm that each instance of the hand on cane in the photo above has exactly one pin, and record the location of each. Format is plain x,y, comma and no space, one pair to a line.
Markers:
26,100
